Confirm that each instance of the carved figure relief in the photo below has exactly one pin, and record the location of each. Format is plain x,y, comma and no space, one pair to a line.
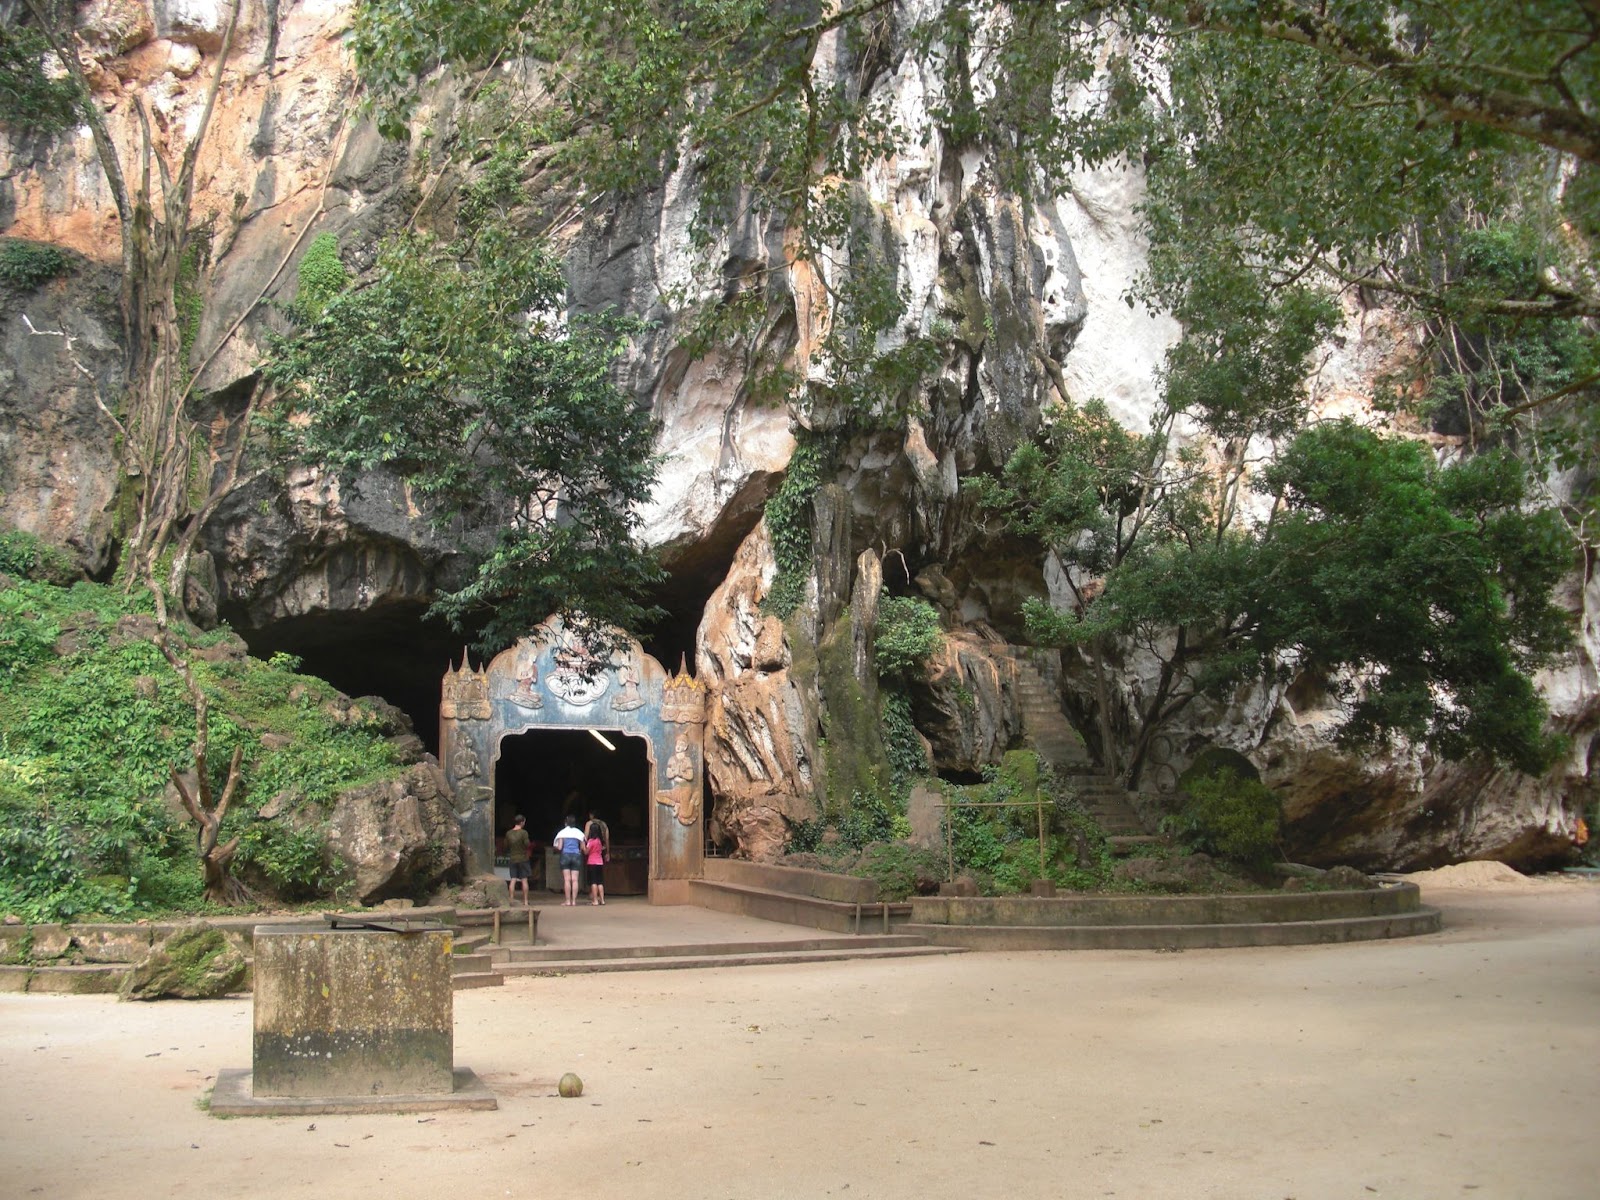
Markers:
464,762
580,677
527,675
680,767
627,698
684,798
465,694
684,802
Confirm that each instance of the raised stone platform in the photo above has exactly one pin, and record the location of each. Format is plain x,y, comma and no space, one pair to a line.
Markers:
354,1016
234,1096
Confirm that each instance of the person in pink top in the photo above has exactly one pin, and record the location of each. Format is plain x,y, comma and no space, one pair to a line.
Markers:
594,859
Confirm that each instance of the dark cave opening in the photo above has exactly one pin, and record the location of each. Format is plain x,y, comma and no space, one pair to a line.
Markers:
547,775
392,651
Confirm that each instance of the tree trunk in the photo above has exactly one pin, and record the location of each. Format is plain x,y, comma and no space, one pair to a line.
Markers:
1109,760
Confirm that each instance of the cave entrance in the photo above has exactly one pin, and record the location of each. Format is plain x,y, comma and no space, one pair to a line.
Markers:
524,727
547,774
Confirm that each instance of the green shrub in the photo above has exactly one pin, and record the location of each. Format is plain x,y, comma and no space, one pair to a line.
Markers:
24,555
908,758
322,276
900,870
25,265
999,847
291,859
26,638
788,517
30,100
1228,816
907,636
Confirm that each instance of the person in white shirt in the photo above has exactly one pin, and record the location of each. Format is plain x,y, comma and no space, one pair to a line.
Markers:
569,843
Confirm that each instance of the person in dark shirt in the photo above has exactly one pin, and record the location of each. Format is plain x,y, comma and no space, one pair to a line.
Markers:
517,847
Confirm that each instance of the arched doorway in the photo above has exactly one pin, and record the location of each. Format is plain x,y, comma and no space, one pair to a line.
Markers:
546,775
550,681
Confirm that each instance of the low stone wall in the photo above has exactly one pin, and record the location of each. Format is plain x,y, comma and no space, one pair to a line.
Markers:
1066,911
92,958
793,881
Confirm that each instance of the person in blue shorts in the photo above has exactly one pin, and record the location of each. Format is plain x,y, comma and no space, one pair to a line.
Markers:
569,843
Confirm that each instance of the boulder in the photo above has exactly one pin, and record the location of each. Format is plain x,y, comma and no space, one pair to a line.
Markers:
194,963
398,837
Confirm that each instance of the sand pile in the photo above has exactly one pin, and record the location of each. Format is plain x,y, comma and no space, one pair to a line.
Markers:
1471,875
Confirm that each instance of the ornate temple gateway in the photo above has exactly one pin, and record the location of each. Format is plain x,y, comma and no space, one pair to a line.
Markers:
550,680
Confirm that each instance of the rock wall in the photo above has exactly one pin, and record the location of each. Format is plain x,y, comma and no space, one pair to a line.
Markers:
1024,300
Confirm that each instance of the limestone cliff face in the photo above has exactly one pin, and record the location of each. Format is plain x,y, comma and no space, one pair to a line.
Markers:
1024,300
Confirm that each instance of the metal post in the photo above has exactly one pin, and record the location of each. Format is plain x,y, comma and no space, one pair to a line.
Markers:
1040,799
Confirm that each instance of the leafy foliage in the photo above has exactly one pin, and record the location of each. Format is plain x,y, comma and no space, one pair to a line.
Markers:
1421,594
93,720
899,870
24,265
999,846
908,758
321,277
31,101
1229,816
32,558
907,636
788,518
449,369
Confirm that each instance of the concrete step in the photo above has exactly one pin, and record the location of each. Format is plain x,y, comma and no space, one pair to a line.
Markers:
687,962
476,979
1181,937
515,955
467,964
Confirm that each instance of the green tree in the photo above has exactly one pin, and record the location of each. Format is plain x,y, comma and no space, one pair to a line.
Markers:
1419,595
30,100
452,368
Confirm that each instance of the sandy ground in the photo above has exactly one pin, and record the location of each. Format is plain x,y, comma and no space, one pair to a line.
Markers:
1457,1065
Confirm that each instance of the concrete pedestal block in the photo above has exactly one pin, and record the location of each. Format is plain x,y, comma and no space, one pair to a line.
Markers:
352,1012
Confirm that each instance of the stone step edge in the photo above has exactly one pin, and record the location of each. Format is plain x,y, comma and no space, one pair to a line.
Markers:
846,941
476,979
832,911
1183,937
594,966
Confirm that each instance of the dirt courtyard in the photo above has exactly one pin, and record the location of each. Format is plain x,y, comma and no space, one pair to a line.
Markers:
1465,1064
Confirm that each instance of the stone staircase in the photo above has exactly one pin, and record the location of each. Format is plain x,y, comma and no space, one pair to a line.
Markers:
1052,736
557,960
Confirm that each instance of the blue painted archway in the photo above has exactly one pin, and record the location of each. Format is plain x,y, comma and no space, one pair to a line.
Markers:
550,680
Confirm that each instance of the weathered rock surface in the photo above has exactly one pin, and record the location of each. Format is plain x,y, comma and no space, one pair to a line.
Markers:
968,709
397,837
761,719
60,359
195,963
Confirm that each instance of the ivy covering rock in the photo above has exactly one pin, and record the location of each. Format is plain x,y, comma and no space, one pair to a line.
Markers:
96,722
